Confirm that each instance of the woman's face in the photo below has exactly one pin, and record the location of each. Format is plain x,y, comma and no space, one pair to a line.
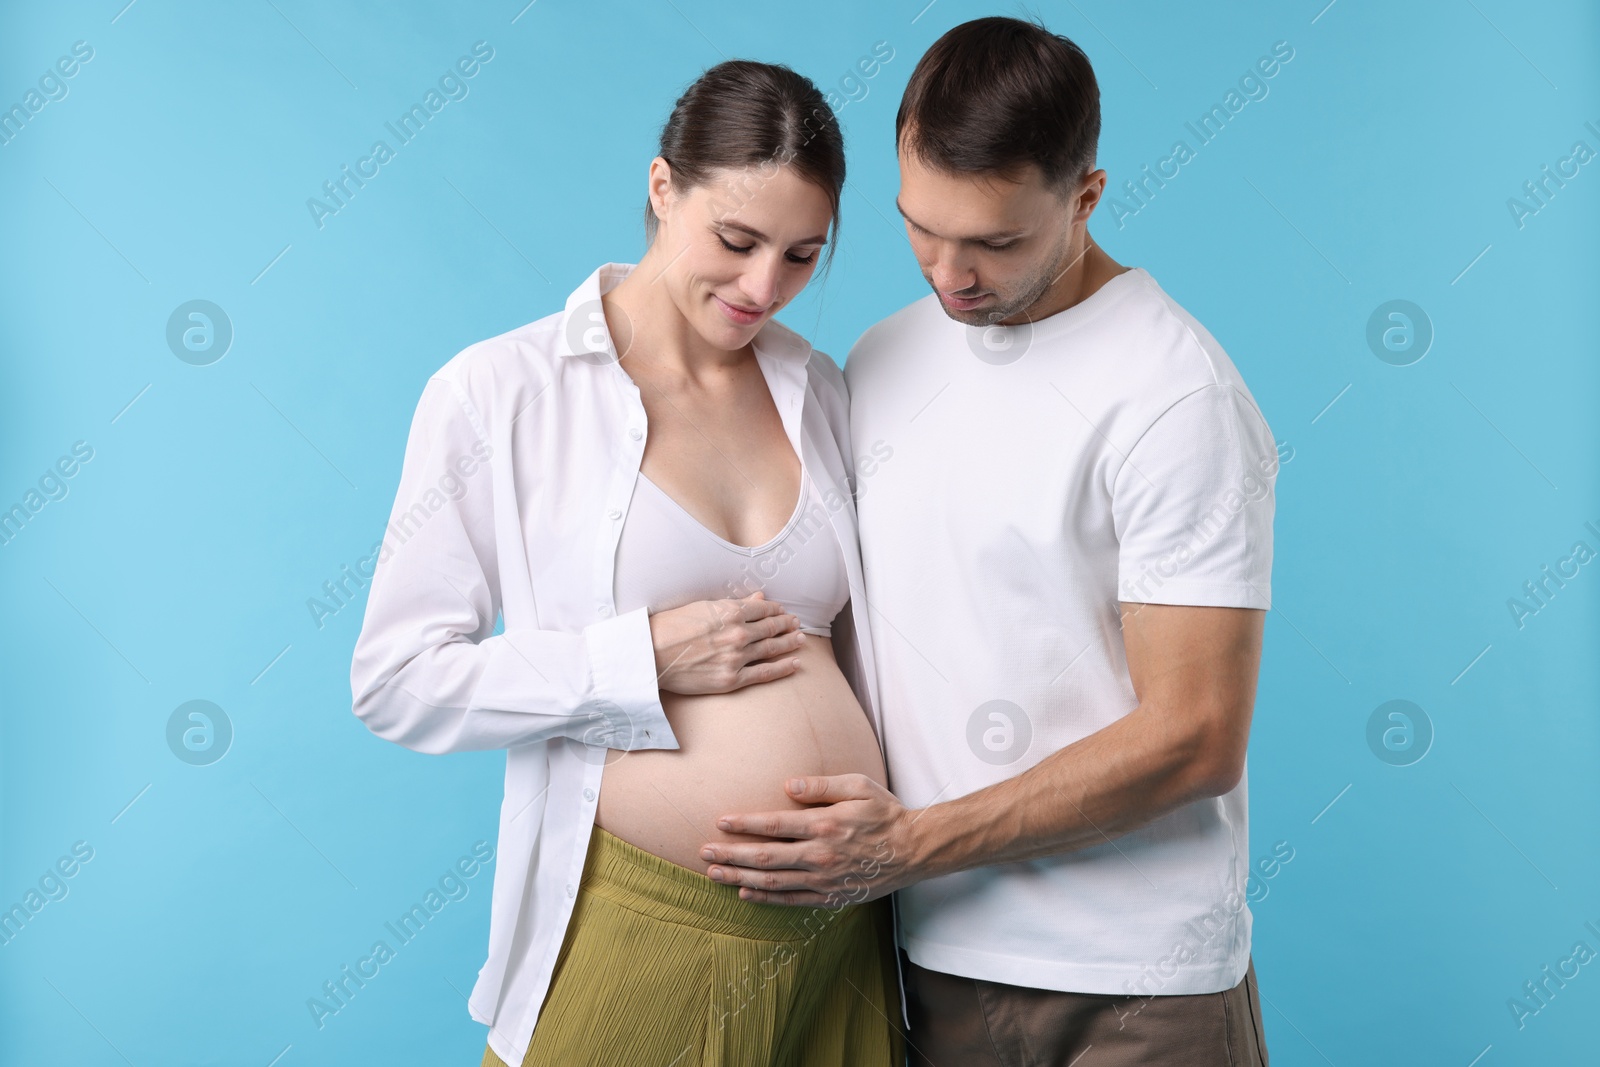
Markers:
738,247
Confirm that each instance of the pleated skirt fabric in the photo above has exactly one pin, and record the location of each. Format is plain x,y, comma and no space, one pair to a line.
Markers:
662,967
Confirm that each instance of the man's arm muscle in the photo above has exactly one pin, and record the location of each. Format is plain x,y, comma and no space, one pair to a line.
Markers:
1194,673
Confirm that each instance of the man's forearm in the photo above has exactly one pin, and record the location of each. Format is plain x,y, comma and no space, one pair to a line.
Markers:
1115,780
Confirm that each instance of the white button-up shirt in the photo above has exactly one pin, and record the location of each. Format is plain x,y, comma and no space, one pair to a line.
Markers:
518,472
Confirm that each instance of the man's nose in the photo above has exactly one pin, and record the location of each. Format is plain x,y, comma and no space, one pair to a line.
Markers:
950,275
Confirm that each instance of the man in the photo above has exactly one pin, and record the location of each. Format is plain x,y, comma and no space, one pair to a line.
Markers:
1068,563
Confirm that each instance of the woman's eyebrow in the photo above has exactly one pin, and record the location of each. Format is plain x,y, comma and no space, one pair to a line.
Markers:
758,235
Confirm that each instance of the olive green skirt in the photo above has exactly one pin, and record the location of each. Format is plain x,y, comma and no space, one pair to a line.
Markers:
662,967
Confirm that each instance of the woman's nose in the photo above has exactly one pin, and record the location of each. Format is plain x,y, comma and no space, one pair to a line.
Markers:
760,284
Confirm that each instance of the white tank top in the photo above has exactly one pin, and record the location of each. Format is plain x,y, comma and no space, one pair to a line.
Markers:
667,558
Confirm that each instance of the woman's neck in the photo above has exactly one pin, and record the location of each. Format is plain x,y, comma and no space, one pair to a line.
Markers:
645,321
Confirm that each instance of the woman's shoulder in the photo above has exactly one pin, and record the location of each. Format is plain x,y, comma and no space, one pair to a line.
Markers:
527,349
822,373
826,375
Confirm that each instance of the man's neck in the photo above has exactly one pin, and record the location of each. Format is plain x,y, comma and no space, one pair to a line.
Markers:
1082,278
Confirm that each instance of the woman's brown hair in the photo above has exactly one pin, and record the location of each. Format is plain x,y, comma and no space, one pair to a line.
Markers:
741,114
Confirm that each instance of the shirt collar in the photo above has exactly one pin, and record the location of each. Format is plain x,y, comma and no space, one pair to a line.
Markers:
582,329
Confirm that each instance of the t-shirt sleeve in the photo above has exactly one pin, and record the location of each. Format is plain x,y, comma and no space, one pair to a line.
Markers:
1192,505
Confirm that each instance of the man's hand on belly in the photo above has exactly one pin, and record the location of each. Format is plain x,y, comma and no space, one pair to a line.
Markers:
1194,671
853,847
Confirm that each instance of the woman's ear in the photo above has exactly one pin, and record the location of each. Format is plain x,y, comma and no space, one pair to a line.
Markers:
660,187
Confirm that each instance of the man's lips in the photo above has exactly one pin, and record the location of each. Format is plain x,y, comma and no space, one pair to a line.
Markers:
741,315
963,304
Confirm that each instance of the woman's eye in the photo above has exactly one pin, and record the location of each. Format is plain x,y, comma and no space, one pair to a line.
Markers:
733,247
802,260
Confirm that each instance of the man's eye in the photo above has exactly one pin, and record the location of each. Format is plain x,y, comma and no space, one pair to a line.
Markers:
733,247
1001,247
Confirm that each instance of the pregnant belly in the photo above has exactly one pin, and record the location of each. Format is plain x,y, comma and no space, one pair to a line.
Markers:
735,752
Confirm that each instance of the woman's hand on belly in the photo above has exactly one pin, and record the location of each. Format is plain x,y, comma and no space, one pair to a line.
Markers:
736,751
717,646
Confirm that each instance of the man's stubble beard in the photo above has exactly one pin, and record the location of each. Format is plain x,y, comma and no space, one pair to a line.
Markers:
1037,285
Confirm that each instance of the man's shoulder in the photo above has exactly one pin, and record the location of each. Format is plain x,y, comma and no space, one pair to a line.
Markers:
1181,350
885,334
1179,357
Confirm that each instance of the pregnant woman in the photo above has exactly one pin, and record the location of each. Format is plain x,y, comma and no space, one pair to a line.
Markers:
651,489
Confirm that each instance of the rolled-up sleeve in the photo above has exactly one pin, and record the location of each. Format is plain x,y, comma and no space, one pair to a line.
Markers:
428,672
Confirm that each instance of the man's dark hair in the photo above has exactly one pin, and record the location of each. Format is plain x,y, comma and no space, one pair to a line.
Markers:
996,94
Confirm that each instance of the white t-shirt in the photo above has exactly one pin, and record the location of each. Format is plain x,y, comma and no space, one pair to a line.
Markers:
1014,485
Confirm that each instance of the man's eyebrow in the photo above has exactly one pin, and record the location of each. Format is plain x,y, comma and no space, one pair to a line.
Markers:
1005,235
758,235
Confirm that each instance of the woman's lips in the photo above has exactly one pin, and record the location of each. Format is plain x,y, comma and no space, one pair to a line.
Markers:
742,316
960,304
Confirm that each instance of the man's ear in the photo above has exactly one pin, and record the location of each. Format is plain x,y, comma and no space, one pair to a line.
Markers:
1086,196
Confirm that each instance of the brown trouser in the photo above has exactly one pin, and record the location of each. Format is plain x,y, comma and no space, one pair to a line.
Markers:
967,1022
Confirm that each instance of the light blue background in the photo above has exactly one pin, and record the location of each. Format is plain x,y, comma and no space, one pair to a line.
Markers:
220,498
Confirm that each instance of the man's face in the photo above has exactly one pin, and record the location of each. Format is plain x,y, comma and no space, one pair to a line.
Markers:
990,247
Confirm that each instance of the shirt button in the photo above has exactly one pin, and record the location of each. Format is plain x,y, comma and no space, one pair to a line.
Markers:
588,794
605,609
614,514
635,433
571,892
